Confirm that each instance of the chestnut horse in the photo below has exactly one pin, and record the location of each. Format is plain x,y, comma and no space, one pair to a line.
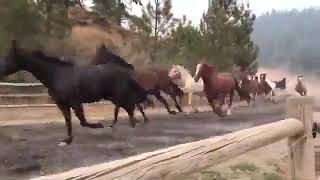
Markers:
152,78
217,86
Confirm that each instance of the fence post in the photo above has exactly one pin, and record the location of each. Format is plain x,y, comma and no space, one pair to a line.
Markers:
301,148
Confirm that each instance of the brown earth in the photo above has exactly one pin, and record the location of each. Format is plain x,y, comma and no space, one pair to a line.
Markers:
30,149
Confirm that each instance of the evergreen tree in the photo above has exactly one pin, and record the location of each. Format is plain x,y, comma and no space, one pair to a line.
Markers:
227,36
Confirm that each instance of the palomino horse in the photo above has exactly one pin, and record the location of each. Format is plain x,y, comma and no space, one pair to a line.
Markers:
71,85
152,78
217,86
300,87
182,77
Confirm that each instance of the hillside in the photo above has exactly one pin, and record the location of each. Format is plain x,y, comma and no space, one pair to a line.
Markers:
87,32
289,39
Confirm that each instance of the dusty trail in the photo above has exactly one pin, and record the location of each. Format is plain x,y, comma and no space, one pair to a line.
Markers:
31,150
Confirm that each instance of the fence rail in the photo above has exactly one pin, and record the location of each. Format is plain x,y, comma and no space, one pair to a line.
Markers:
179,161
20,84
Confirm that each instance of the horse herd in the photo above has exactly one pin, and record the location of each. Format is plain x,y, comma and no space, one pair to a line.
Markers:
111,78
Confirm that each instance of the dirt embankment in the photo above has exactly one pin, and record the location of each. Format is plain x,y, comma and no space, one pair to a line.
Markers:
87,32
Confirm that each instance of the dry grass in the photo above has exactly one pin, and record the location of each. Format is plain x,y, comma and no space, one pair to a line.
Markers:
85,39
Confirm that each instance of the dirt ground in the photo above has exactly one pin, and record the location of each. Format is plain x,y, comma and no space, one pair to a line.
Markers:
30,150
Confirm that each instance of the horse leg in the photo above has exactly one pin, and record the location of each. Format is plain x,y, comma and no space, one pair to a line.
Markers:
272,96
78,110
163,101
176,103
230,103
115,118
145,118
196,105
213,106
65,109
190,98
221,100
130,111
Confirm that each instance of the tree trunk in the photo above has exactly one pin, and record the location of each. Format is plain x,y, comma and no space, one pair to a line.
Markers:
119,12
156,20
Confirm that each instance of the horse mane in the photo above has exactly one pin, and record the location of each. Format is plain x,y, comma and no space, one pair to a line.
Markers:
104,55
185,73
41,55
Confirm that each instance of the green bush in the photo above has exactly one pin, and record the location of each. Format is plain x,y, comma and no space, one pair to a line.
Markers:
272,176
245,166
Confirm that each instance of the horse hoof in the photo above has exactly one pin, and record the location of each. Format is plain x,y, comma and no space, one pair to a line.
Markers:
228,112
196,111
99,125
65,142
110,127
173,112
62,143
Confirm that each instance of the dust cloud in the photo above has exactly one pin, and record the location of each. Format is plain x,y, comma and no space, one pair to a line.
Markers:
311,82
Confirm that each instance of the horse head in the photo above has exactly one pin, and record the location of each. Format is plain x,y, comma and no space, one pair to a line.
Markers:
300,78
104,56
174,73
263,77
9,64
203,70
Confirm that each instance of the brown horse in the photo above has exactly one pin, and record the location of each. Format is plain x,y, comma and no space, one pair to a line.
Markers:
300,88
217,86
266,87
153,79
250,84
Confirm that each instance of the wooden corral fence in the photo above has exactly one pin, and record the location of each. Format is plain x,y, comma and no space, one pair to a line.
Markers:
178,162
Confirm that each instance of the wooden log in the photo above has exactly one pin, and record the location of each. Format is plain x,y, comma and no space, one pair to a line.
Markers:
301,147
179,161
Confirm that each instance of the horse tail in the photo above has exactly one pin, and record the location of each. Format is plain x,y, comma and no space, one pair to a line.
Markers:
140,91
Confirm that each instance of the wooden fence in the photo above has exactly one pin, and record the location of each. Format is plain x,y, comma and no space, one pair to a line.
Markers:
180,161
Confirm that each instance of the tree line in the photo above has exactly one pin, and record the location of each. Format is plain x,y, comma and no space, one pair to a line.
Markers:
289,39
223,37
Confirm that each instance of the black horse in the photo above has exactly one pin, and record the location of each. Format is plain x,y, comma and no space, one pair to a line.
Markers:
281,84
109,57
105,56
71,85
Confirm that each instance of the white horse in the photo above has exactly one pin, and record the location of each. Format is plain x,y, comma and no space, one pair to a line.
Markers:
182,77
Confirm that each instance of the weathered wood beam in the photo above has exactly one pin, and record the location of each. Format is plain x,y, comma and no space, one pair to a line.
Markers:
301,147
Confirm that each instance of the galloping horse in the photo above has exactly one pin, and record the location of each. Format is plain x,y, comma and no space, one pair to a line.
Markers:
281,84
300,87
152,78
182,77
71,85
266,86
250,84
217,86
